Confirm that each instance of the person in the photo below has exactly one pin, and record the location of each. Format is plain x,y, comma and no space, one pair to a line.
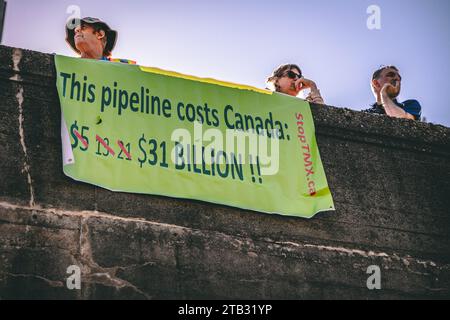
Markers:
288,79
386,86
92,38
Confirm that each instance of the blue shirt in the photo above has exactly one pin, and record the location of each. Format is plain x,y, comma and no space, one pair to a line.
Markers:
410,106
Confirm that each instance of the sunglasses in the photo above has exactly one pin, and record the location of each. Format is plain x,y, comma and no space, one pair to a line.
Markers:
292,75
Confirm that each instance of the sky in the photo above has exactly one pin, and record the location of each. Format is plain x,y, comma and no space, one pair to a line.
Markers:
243,41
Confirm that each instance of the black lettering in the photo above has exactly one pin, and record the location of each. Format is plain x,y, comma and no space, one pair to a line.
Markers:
190,112
84,88
180,106
228,108
269,125
115,95
200,116
205,171
225,173
75,85
65,76
156,101
179,150
237,167
215,115
249,122
194,156
207,110
106,91
91,91
134,99
167,107
123,103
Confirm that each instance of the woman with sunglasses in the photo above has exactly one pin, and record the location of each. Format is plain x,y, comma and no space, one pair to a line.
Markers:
288,79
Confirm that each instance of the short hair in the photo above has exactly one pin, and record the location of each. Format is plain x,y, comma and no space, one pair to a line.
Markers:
377,73
279,72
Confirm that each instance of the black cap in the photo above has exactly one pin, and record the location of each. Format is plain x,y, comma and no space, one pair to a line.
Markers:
111,35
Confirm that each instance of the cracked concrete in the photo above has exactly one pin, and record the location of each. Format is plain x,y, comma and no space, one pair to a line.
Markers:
51,283
16,58
131,246
86,251
92,272
220,250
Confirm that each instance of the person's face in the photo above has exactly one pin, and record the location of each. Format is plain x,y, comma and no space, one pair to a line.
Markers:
391,76
86,37
287,82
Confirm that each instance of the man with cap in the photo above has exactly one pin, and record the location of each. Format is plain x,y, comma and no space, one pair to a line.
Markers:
92,38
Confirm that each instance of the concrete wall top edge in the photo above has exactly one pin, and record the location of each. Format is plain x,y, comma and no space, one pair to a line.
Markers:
329,120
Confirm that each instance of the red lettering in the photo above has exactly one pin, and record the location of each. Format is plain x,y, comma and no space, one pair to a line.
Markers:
302,139
307,160
312,188
306,150
306,147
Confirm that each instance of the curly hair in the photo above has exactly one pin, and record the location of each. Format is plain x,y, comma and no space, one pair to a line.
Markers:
272,81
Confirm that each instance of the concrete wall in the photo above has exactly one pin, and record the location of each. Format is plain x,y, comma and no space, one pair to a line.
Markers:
391,184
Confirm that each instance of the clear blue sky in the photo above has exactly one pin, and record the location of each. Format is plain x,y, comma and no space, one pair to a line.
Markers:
244,40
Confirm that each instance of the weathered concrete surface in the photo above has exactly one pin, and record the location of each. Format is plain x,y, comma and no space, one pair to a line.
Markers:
390,180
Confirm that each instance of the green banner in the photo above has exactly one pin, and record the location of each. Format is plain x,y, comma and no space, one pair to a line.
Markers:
144,130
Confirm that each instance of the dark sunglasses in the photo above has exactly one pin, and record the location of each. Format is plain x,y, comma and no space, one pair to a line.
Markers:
292,75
